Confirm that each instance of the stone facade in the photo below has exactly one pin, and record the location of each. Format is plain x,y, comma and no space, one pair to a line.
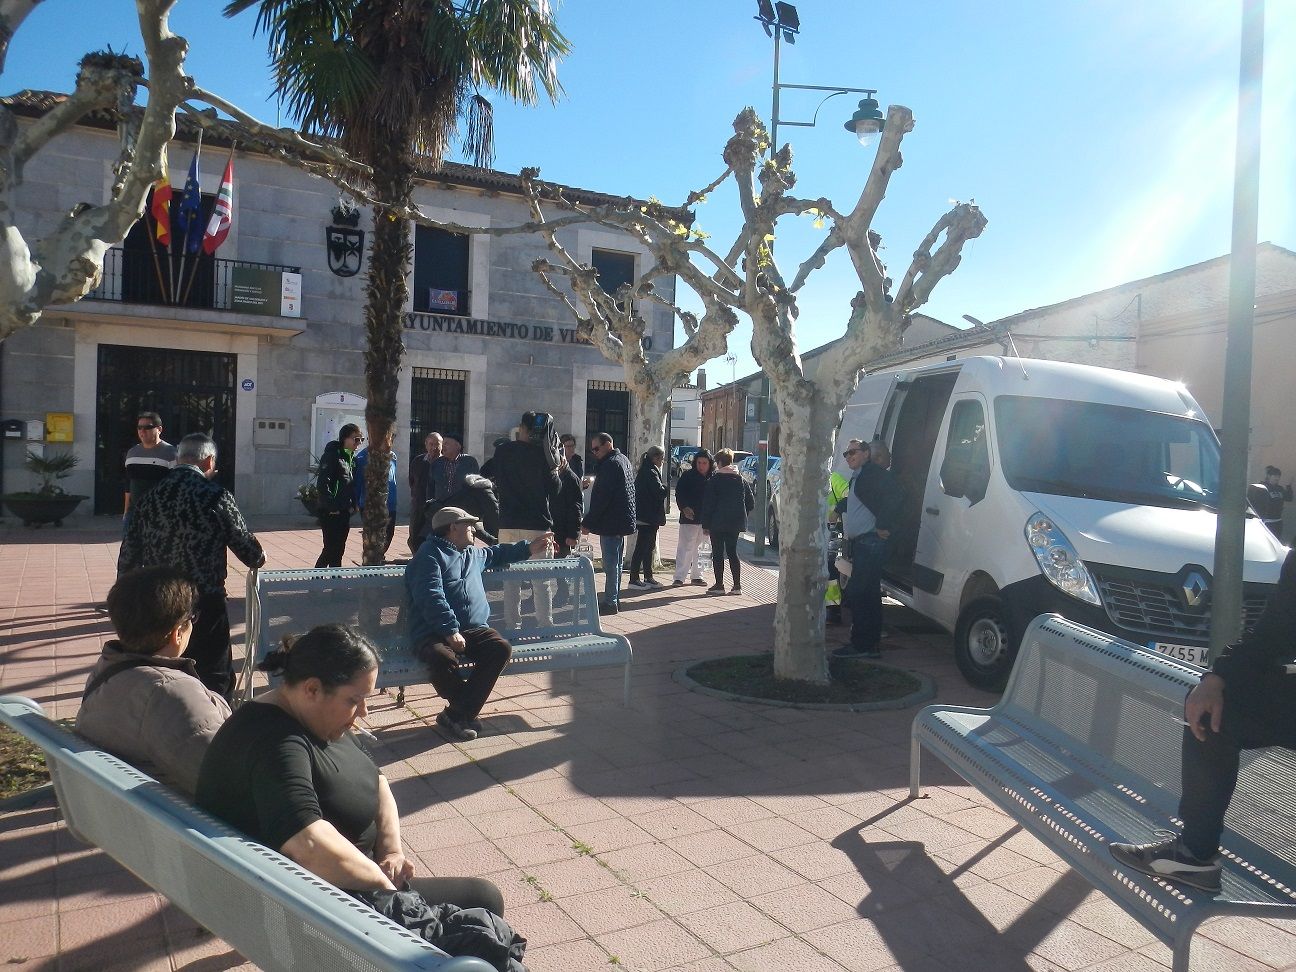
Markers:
516,350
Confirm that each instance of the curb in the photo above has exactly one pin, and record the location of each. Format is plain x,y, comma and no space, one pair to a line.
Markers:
926,690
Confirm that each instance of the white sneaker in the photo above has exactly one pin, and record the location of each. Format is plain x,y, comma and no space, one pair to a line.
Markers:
638,585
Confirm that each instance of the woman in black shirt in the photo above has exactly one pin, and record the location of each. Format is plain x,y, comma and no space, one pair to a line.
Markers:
285,770
650,513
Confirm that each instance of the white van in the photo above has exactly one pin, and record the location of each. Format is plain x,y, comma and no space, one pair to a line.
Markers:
1035,486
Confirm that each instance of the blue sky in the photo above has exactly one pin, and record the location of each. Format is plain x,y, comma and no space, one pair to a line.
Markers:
1097,136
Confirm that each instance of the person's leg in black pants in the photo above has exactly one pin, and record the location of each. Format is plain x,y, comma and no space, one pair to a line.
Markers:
863,593
334,527
466,892
209,645
489,653
724,546
1258,712
645,549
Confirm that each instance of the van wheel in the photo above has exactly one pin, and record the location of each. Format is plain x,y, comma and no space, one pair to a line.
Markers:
771,524
984,644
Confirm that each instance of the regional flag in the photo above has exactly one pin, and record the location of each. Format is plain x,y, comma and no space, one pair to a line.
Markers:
222,216
162,210
189,215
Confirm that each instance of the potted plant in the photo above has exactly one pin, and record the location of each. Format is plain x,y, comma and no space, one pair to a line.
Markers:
307,492
48,503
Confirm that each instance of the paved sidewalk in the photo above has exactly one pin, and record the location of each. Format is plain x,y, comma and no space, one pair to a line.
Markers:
683,832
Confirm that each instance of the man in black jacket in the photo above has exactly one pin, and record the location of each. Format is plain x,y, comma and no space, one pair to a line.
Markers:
611,515
525,483
870,511
1246,701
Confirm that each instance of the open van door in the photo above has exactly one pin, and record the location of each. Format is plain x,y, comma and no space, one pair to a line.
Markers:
863,416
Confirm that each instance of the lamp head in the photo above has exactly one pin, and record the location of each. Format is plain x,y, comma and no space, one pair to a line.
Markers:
867,122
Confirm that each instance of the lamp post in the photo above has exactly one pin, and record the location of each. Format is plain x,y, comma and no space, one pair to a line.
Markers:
782,22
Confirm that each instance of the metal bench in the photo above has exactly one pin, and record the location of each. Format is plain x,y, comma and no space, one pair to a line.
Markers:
1083,749
272,912
282,602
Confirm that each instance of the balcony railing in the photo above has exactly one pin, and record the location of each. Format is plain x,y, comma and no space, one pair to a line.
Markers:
133,276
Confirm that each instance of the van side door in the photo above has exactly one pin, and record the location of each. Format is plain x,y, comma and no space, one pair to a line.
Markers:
956,526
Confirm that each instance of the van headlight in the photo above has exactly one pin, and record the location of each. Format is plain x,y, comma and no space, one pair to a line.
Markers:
1058,559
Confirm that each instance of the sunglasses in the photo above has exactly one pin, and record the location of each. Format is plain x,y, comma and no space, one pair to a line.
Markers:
849,452
147,428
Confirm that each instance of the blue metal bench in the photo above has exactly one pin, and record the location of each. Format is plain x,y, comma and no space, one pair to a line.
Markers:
283,602
274,913
1083,749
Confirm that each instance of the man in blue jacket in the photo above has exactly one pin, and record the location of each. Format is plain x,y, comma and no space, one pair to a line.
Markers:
450,614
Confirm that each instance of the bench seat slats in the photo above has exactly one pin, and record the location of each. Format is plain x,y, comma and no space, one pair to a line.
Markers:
1084,748
274,913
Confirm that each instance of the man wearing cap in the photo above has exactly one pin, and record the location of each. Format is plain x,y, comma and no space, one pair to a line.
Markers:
450,614
450,471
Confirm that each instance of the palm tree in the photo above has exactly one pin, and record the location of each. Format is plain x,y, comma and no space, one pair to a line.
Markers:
391,80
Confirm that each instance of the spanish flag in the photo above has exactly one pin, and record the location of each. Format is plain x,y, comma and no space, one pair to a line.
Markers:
162,210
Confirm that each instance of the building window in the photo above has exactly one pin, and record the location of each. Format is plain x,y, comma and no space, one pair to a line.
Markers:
677,413
438,398
607,409
440,272
614,269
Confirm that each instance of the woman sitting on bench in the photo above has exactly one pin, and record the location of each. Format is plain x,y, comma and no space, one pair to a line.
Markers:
285,770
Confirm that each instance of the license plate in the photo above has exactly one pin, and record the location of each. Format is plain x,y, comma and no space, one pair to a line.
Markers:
1192,654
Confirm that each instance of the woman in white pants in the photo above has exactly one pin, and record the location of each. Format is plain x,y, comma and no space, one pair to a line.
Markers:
688,497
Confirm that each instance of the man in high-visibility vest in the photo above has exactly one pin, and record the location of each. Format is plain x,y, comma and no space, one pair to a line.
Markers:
837,487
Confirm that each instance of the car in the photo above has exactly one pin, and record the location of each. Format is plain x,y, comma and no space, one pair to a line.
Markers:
748,469
681,457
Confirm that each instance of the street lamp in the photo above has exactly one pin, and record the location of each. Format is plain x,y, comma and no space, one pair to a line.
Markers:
782,22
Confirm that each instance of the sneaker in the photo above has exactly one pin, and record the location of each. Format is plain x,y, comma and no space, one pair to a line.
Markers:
455,729
1171,860
680,583
850,651
736,589
476,726
607,607
638,585
653,585
715,589
697,582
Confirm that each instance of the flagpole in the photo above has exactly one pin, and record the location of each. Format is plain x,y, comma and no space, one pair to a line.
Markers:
157,264
184,247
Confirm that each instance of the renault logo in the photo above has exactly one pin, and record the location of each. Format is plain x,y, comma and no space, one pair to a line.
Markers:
1195,588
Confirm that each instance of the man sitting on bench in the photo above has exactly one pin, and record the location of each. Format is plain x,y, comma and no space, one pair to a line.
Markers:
1246,701
450,613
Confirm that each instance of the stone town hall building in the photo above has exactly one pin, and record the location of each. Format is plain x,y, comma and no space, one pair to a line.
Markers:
262,346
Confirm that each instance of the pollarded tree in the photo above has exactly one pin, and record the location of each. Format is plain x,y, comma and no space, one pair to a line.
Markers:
391,80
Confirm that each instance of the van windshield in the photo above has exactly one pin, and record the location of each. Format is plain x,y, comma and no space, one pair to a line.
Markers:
1107,452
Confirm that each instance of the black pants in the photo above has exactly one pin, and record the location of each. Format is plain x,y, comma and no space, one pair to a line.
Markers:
863,591
466,892
209,645
1259,711
645,547
334,527
489,653
724,544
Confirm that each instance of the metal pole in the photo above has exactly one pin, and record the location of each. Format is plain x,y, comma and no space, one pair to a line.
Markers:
1230,527
762,470
774,119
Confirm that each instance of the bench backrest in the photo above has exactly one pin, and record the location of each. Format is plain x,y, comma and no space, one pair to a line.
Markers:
1089,692
272,912
283,602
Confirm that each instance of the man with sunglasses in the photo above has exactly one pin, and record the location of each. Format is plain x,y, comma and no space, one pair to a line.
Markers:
611,515
147,461
143,701
870,512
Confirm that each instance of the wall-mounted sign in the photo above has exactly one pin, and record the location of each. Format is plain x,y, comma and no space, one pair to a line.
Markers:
345,249
273,293
247,384
443,300
58,427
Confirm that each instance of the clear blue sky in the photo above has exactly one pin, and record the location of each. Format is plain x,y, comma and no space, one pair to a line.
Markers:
1097,136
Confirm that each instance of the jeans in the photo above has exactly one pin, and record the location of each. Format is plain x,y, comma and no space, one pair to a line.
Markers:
613,549
690,535
724,544
1259,711
489,653
645,549
863,592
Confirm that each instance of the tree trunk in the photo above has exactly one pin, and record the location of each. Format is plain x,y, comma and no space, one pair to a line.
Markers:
385,294
807,428
649,408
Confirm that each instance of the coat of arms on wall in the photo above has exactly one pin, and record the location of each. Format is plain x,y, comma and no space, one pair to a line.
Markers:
345,241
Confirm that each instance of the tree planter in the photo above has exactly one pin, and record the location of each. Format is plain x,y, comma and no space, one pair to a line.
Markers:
34,509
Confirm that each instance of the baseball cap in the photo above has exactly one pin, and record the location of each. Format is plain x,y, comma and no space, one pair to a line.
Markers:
452,514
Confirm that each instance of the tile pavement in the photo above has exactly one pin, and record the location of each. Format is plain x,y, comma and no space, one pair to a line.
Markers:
682,833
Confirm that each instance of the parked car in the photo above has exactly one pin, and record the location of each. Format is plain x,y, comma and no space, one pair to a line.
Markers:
1108,480
682,457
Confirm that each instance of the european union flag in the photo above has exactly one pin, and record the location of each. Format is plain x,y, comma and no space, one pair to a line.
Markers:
189,215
